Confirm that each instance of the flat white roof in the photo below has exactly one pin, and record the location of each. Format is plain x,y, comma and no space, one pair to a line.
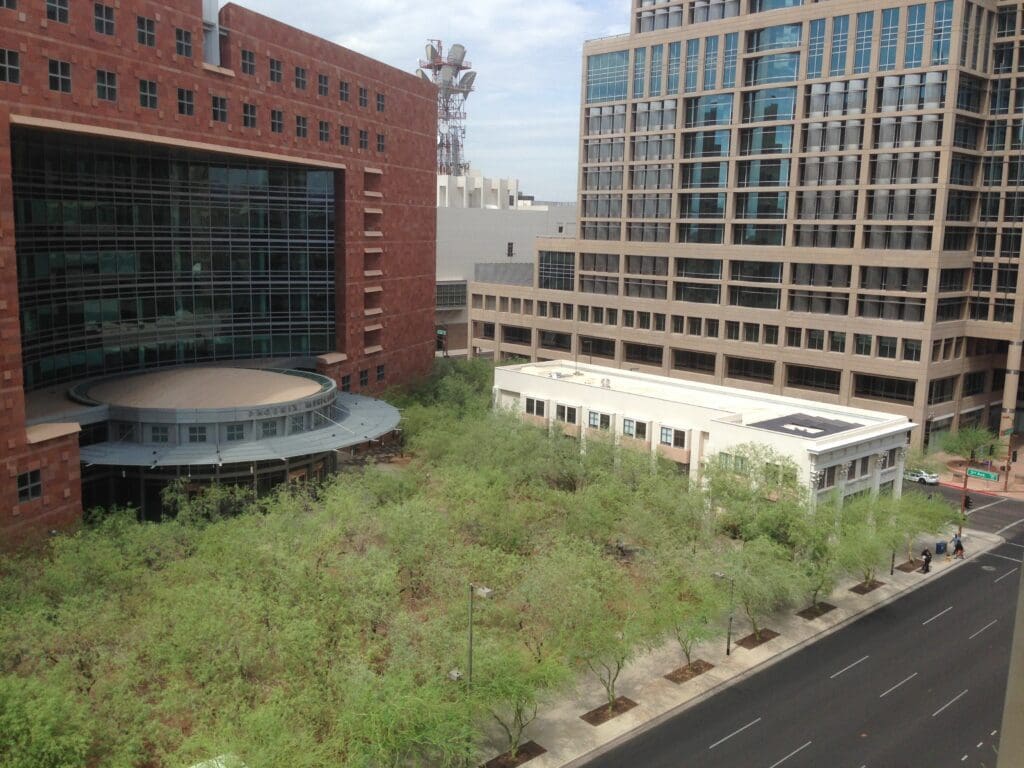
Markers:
818,423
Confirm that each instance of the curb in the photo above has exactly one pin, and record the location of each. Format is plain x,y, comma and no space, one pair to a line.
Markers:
578,762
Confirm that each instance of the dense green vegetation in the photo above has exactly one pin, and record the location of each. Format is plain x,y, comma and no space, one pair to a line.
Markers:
318,626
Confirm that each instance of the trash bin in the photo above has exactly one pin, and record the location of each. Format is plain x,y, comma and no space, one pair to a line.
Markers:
940,547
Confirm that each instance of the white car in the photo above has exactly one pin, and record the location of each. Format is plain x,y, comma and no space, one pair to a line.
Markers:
920,476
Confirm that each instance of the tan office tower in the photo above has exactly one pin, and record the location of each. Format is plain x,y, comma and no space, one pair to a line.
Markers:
823,200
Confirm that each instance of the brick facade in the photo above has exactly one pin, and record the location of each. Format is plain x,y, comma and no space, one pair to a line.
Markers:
385,248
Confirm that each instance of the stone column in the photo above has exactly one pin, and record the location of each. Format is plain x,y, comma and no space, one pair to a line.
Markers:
843,476
901,463
813,476
1007,416
878,462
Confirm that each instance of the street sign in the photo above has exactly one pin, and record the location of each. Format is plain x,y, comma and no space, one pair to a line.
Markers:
982,474
442,332
1008,431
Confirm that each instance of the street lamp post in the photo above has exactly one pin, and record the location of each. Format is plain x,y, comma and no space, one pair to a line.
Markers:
475,590
732,609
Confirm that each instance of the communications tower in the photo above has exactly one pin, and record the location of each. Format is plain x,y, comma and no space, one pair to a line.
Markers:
454,80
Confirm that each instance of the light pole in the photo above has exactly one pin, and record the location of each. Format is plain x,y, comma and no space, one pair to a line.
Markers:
732,609
475,590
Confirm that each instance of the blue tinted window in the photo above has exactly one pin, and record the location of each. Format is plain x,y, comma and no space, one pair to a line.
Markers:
862,48
657,56
914,50
673,68
782,36
840,34
890,34
729,65
692,54
942,31
709,110
769,104
607,76
710,62
639,72
774,68
816,48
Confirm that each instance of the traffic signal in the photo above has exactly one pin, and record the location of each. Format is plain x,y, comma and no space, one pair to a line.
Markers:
968,502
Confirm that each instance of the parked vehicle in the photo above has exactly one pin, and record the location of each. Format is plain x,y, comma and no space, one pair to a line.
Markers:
921,476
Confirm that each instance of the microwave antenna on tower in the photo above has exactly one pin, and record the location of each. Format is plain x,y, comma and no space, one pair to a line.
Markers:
454,80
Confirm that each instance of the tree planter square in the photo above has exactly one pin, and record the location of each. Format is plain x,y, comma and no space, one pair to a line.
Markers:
603,713
689,671
815,611
910,566
526,752
863,588
752,640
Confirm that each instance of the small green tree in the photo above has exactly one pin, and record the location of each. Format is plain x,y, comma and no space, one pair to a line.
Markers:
817,550
689,604
508,683
764,578
40,726
973,444
865,543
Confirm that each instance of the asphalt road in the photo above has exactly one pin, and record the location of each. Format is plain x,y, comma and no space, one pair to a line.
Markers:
921,680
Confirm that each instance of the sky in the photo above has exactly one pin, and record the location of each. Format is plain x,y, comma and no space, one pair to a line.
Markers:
523,116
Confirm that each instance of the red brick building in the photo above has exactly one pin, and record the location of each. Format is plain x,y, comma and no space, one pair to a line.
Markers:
181,190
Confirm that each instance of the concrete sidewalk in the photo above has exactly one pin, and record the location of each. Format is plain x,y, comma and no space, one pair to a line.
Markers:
570,741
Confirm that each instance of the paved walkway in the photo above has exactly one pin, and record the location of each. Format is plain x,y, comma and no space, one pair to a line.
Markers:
569,740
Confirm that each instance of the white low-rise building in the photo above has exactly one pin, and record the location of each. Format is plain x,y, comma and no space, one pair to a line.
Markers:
836,448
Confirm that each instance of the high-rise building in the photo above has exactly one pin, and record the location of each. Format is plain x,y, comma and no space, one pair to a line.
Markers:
816,199
187,186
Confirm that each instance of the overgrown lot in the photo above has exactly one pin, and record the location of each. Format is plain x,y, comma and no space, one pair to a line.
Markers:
318,627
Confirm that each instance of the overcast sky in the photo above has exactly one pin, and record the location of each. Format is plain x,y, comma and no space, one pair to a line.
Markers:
523,117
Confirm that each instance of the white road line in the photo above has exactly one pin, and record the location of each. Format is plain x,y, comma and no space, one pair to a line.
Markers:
901,682
1008,573
983,629
1011,559
1012,544
1008,527
848,666
986,506
955,698
738,730
933,618
798,749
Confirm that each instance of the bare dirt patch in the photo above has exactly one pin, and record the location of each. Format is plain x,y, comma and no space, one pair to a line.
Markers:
689,671
870,586
526,752
910,566
815,611
604,713
752,640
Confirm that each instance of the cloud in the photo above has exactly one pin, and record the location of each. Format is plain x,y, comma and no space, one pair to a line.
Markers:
523,119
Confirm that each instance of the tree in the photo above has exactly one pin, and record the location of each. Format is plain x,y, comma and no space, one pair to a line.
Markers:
972,444
689,603
912,515
817,550
40,726
508,683
755,492
764,578
865,544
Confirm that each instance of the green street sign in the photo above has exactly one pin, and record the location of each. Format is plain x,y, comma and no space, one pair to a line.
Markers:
982,474
1008,431
442,332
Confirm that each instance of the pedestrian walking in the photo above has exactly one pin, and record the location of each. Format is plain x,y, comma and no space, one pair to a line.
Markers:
958,547
926,555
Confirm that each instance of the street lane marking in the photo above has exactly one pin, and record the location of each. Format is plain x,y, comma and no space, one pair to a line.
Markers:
983,629
1008,527
738,730
798,749
1012,544
955,698
901,682
848,666
1009,572
1011,559
933,618
986,506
